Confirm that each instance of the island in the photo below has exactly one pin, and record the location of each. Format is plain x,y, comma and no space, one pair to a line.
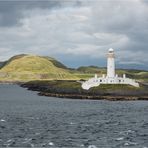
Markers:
72,89
51,78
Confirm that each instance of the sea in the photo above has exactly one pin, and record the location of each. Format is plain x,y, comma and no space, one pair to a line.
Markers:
29,120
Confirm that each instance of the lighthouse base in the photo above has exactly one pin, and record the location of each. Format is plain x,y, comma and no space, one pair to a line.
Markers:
95,81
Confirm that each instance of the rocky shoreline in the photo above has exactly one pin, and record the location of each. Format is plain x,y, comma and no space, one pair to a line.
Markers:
111,98
72,89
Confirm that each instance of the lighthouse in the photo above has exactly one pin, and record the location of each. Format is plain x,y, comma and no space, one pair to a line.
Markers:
111,77
111,63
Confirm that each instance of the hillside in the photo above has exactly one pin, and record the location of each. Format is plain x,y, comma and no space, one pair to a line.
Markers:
2,64
29,67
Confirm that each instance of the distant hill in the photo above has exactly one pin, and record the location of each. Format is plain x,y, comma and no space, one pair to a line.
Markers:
92,69
30,67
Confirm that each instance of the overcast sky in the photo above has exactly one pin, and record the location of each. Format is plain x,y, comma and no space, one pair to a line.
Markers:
76,32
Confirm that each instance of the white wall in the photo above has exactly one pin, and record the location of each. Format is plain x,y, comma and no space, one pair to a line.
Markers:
110,67
116,80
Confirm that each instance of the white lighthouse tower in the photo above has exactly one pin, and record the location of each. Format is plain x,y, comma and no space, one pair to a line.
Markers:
111,63
111,78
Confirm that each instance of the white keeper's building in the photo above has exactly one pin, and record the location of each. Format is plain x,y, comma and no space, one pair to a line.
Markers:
111,77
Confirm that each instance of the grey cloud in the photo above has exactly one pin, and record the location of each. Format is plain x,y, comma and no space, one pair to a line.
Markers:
84,29
12,11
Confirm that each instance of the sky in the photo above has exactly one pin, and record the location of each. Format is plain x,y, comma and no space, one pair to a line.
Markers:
76,32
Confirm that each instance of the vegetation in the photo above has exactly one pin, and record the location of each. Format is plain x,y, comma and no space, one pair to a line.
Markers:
92,70
88,71
28,67
73,89
56,63
76,85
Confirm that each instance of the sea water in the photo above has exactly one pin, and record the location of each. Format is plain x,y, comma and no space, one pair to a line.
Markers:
29,120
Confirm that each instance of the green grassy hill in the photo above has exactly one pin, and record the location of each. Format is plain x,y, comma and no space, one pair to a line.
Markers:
29,67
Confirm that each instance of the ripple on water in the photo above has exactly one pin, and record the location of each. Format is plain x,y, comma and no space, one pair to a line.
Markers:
37,134
27,140
127,132
35,121
72,123
128,143
92,146
10,142
119,139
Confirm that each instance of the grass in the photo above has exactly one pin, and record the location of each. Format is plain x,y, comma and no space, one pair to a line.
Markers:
83,76
33,68
63,84
115,87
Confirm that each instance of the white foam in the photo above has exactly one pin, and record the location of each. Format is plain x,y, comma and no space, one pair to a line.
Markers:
37,133
129,143
130,131
92,146
126,144
2,120
27,140
51,143
9,140
120,138
32,145
72,123
82,145
127,132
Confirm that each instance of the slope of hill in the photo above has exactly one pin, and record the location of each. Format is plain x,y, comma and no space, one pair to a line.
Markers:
56,63
2,64
29,67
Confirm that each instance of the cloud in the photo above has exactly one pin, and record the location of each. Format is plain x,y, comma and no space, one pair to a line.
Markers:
11,11
84,29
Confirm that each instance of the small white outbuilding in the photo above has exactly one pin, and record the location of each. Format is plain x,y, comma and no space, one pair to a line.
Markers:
111,77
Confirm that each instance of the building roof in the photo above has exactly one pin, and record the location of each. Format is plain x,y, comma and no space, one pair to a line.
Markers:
111,50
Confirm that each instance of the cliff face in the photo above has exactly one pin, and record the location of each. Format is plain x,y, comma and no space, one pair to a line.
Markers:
72,89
